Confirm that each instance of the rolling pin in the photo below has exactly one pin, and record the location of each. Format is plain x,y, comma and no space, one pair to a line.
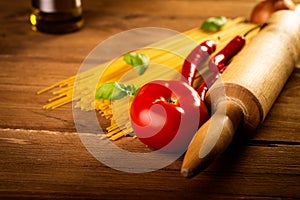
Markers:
246,91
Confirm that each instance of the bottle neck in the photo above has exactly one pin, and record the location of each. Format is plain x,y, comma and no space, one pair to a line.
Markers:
52,6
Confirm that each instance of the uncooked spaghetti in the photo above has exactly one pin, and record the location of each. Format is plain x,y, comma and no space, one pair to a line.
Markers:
116,70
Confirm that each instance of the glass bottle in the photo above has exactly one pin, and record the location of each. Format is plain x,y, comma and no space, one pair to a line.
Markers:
56,16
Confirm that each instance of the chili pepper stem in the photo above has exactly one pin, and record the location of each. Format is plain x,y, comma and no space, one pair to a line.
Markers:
254,28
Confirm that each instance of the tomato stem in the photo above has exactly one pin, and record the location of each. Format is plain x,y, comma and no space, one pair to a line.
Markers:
171,100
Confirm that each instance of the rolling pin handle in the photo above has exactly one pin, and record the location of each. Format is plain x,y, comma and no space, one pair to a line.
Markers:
212,138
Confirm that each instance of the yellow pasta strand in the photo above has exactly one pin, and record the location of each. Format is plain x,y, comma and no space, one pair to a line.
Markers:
81,88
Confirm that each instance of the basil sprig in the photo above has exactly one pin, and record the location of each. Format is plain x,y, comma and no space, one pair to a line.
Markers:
115,91
140,62
214,24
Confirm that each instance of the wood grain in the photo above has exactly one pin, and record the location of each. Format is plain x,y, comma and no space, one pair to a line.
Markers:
64,169
41,155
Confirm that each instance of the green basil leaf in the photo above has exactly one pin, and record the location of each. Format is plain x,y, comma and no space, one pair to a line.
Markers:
214,24
114,91
139,61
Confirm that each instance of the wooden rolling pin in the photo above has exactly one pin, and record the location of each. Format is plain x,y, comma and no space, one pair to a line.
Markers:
247,89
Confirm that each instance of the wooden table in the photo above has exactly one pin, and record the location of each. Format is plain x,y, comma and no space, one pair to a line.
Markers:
41,155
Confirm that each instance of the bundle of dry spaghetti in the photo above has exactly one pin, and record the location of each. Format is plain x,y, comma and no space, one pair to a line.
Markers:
164,64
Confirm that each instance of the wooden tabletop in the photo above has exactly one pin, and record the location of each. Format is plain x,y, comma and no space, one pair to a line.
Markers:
41,154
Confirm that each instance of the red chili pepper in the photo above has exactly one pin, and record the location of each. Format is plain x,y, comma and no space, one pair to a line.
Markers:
222,58
196,59
220,61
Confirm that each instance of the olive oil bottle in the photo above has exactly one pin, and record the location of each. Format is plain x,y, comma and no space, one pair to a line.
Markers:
56,16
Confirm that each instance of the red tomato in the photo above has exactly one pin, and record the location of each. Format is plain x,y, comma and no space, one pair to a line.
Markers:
166,114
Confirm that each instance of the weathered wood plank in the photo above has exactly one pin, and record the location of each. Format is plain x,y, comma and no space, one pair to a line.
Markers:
54,164
17,78
22,108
